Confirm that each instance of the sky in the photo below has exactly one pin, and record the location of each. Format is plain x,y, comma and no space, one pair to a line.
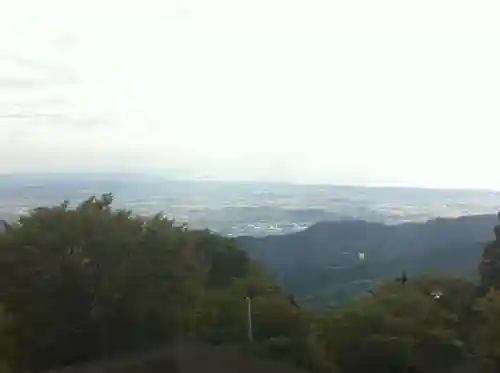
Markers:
343,92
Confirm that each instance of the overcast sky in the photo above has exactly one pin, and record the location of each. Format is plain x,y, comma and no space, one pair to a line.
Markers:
349,92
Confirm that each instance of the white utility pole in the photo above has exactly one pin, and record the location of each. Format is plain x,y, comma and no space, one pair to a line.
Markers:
250,330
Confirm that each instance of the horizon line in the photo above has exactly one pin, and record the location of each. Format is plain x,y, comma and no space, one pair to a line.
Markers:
166,177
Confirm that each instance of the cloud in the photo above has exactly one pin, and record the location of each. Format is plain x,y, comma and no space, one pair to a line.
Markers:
36,116
31,104
9,83
51,72
268,88
34,93
59,119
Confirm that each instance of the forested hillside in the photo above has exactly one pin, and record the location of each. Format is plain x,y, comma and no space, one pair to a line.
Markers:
322,263
89,283
92,282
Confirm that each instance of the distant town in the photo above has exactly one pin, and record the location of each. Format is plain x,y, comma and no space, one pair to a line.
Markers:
237,209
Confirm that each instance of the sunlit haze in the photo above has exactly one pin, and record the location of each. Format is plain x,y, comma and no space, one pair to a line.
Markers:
343,92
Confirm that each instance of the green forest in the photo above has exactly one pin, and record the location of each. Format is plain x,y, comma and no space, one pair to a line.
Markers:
90,282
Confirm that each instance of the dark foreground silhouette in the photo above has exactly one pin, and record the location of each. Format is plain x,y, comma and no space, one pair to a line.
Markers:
92,283
187,357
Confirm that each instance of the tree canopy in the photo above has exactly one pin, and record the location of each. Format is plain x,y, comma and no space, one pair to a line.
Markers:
83,283
90,281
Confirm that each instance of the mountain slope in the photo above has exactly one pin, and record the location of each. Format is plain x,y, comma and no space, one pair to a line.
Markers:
323,261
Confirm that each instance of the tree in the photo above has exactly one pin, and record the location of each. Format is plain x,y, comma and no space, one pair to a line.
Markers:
91,281
489,267
5,349
399,329
486,334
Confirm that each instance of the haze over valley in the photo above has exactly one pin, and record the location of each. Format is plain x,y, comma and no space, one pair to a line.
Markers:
236,208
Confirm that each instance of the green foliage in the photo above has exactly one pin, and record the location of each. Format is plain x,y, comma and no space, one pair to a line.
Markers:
400,329
486,336
489,270
4,367
222,317
91,281
321,263
4,346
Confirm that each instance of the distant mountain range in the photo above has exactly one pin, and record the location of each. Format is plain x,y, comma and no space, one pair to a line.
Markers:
323,263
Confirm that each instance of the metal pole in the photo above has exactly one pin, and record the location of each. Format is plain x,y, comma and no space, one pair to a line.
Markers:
250,330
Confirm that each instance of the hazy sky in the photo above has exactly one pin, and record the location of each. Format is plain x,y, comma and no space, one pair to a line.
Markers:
375,92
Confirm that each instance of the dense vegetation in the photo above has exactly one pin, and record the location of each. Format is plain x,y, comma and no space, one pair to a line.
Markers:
80,284
321,264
